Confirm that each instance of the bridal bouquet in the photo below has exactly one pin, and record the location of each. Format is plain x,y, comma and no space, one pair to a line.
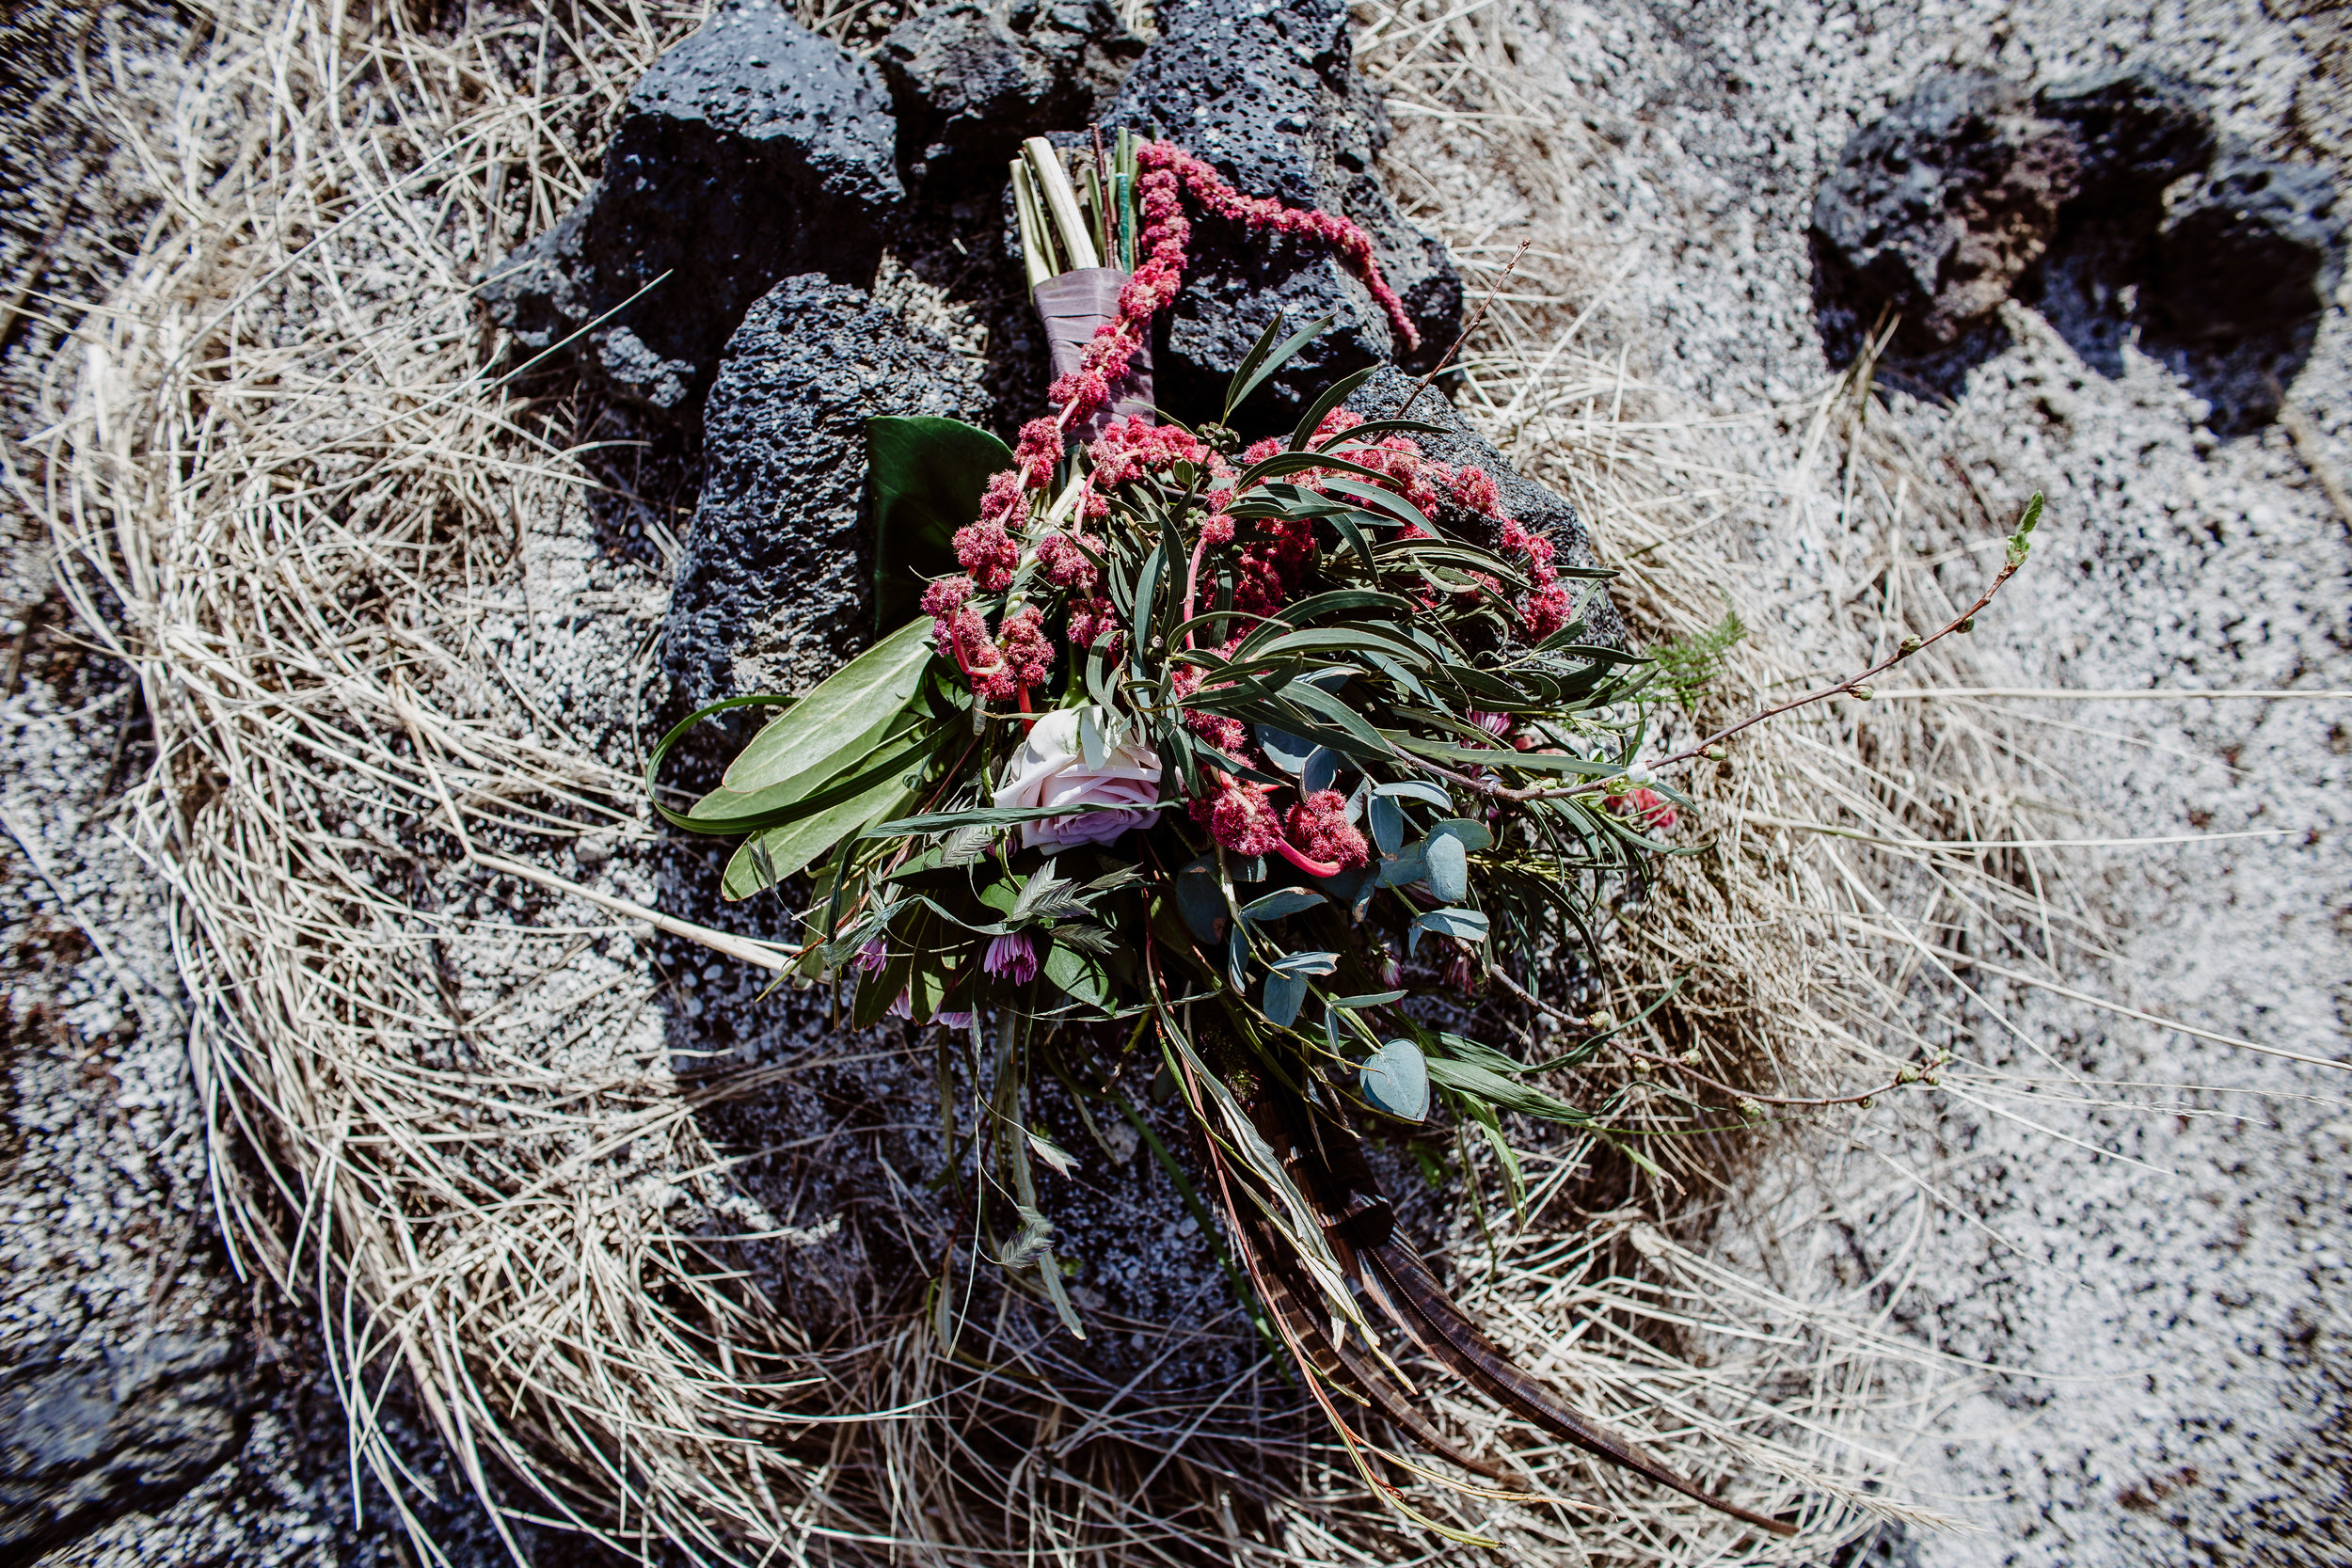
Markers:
1224,754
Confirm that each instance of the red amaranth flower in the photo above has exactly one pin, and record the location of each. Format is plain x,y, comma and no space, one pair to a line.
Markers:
1238,816
1546,612
1094,624
1039,450
1229,736
1026,650
1475,489
988,553
1065,564
1167,174
957,628
1262,213
1320,828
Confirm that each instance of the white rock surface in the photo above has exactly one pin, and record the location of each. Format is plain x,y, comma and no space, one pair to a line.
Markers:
2170,1318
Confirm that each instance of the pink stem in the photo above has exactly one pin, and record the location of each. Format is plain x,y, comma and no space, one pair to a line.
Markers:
1312,868
1192,583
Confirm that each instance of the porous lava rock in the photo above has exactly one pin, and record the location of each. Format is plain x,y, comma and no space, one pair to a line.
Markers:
1537,506
2255,246
2135,132
1939,207
971,81
1270,94
752,150
83,1440
775,582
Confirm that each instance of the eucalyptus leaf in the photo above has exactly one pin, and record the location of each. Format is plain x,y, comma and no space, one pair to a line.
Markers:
1395,1080
1387,821
1284,750
1287,901
1284,995
1468,925
1415,789
1200,899
1305,963
1320,772
1449,867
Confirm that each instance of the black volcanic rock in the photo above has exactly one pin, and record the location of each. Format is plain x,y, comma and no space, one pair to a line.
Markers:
776,584
752,150
971,81
81,1441
2255,246
1270,94
1940,206
2135,132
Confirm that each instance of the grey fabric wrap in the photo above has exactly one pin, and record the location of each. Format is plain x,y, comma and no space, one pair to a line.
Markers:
1073,306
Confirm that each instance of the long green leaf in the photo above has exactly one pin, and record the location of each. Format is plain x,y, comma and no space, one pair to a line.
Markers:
1261,363
825,728
925,476
795,847
1332,397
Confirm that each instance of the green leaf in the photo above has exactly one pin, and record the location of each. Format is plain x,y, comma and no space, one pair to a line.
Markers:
2021,541
840,720
1077,975
1395,1080
1273,906
1469,925
723,811
1373,429
1332,397
1417,789
1284,995
1501,1092
1260,363
1377,500
789,850
1449,867
925,476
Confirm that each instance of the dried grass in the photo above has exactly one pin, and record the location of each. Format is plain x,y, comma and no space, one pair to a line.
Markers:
296,503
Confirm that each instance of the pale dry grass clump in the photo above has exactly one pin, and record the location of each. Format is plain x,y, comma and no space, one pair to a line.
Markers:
297,501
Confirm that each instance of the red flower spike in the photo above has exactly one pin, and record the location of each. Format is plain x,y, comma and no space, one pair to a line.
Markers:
986,551
1319,826
1238,817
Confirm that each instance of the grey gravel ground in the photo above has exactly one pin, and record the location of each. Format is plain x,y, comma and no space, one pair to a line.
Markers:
2172,1326
2172,1329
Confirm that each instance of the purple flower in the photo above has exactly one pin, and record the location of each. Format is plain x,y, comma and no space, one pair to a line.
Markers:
1390,972
1013,957
872,957
952,1021
901,1006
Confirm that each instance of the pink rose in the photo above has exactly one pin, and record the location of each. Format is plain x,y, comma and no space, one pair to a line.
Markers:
1051,771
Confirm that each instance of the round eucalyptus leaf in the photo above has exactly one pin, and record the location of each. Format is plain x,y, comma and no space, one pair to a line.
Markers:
1449,867
1395,1078
1285,750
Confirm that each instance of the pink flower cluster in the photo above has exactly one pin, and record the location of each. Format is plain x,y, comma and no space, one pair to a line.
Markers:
1002,670
1262,212
1168,173
1422,480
